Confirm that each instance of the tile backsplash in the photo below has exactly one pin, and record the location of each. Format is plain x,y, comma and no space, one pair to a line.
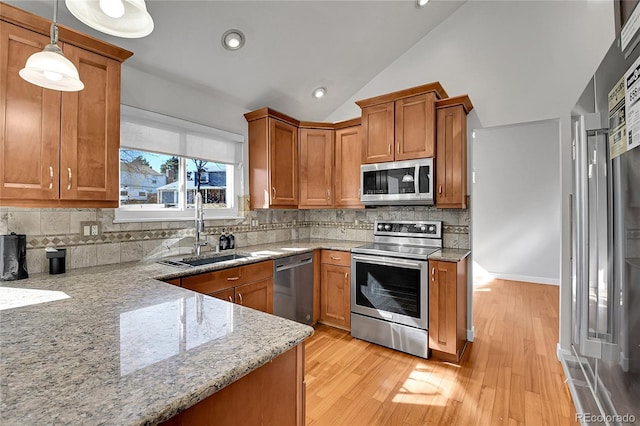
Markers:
124,242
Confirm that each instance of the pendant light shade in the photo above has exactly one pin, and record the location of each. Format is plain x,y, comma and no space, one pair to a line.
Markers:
49,68
120,18
52,70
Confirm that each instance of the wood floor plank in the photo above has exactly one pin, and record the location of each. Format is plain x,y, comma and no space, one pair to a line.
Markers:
509,376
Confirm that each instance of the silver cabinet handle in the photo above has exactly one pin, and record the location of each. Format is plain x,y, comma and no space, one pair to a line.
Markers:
346,275
433,274
273,192
70,178
230,299
50,177
398,148
335,258
440,189
240,297
328,194
389,149
233,278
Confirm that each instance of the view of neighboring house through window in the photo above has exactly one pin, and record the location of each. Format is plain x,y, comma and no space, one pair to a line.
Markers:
153,179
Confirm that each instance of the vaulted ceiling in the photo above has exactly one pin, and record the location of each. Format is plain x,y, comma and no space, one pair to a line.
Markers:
291,47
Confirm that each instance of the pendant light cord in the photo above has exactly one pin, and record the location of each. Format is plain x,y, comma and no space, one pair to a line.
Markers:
54,24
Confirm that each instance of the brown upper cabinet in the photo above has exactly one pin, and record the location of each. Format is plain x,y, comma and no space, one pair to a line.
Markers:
58,149
273,159
321,161
330,165
347,157
316,167
451,152
400,125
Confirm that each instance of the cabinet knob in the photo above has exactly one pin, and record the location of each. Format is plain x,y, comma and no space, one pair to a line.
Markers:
70,178
50,177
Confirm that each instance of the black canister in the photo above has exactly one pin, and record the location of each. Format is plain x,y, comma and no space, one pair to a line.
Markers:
224,241
231,240
13,257
57,260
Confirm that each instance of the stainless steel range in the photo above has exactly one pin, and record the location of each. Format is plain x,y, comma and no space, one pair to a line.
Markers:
390,285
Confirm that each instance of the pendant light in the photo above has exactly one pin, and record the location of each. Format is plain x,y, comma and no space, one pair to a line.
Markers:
120,18
49,68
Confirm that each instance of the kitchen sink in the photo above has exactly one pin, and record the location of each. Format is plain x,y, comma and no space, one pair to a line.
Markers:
215,259
190,261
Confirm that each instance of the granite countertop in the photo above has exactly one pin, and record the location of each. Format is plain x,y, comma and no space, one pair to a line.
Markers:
112,344
450,254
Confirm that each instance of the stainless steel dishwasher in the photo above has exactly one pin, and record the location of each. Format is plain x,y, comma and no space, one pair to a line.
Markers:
293,288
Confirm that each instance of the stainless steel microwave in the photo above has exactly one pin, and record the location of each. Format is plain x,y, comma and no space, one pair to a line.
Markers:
397,183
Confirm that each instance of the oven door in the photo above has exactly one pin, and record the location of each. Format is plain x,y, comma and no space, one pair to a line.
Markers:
390,289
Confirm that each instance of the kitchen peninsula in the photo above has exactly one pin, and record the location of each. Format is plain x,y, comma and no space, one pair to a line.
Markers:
112,345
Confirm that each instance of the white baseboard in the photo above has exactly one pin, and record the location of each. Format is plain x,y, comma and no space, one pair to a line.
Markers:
562,353
471,334
526,278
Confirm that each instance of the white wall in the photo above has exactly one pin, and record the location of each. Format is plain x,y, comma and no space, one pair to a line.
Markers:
517,201
519,61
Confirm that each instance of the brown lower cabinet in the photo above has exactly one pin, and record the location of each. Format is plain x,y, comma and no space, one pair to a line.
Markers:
447,309
248,285
335,289
274,394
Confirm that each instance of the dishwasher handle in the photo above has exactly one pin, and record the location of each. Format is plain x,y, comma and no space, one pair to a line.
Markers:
287,266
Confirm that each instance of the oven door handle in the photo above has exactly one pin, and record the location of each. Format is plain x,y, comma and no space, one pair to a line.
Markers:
382,260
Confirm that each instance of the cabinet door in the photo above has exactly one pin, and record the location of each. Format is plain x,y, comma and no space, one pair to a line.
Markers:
316,166
257,295
348,156
227,294
442,306
415,127
451,158
90,138
29,122
283,163
335,297
377,133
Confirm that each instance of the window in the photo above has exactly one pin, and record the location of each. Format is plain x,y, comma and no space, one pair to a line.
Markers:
164,162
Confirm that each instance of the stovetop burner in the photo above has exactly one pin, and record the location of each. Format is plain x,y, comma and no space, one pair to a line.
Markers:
404,239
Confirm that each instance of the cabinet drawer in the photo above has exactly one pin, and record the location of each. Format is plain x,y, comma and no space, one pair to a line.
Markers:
255,271
335,257
210,282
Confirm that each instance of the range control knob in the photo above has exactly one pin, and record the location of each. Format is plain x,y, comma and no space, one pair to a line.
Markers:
380,227
432,228
423,228
387,227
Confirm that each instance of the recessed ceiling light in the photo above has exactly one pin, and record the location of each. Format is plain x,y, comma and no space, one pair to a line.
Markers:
421,3
233,39
319,92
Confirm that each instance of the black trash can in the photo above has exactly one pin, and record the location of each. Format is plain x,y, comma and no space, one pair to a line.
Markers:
57,261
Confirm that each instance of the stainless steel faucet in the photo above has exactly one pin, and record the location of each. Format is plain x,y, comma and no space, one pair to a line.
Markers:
197,246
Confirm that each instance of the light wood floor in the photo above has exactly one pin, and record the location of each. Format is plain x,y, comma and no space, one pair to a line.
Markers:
509,375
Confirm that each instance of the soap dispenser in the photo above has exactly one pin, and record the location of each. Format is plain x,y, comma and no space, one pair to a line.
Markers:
231,241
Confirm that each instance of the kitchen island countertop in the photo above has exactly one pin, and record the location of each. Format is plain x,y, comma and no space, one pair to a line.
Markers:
112,344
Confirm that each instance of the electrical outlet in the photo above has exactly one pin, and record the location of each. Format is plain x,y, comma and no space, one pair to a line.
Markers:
90,229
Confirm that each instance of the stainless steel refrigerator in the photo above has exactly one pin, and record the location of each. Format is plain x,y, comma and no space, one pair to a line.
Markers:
603,369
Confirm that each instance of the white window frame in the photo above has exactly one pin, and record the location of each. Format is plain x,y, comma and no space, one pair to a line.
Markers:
149,213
